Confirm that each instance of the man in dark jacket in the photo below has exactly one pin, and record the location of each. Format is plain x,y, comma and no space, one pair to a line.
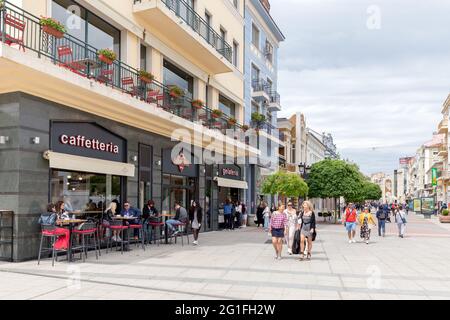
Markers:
381,216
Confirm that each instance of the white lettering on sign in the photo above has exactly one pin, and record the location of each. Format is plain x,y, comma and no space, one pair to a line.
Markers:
94,144
230,172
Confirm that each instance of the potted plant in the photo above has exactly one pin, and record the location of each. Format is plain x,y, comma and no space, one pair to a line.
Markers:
216,113
444,217
1,4
197,104
145,76
245,127
232,121
175,92
52,27
258,119
106,55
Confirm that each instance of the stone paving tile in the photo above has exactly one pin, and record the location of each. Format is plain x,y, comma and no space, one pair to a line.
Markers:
240,265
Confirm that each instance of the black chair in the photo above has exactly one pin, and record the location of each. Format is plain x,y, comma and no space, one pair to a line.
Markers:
182,232
49,233
154,225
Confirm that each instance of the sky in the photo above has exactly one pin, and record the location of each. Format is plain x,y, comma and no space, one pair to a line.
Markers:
374,73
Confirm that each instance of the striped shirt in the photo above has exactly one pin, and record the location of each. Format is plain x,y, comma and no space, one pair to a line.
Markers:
278,220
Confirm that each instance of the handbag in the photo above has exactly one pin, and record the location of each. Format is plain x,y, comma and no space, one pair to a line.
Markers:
314,235
296,243
221,219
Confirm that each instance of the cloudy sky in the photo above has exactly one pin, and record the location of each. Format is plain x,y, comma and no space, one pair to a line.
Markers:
373,73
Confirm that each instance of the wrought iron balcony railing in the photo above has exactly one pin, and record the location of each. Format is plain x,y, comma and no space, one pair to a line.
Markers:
183,10
259,85
22,29
275,97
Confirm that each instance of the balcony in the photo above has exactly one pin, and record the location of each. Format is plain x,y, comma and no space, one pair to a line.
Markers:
261,90
443,126
70,72
176,21
274,102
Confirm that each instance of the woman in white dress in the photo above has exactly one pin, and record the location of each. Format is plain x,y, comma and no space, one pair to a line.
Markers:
195,218
292,217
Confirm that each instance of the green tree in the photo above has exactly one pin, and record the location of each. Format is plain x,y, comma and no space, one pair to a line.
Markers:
372,191
285,184
334,179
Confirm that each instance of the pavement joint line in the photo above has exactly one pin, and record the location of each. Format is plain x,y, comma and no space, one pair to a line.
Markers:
48,292
122,285
268,284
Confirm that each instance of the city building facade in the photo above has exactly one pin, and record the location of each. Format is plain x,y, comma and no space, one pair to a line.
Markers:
262,100
89,126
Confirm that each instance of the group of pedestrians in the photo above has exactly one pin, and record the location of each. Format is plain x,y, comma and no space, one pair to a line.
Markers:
286,222
235,215
367,221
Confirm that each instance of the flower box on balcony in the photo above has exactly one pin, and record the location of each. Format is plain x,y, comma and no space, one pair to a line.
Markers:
245,127
175,92
216,113
146,77
52,27
232,121
107,56
197,104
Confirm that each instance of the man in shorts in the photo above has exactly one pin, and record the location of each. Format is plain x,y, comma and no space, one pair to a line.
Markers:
349,220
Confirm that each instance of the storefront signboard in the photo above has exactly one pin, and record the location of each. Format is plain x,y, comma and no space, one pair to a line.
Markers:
87,139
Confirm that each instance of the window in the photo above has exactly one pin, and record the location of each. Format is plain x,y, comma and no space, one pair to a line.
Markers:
255,73
255,107
223,35
88,27
269,51
235,53
227,106
269,84
208,23
255,36
293,153
143,62
175,76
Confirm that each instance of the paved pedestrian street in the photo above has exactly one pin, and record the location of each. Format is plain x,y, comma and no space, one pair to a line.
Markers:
240,264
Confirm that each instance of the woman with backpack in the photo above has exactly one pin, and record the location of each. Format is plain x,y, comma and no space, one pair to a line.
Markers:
381,217
400,219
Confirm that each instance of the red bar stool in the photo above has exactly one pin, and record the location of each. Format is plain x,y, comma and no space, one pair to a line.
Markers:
141,233
116,225
154,225
88,231
49,232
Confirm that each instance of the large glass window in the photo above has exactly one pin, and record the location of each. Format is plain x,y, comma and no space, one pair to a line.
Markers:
255,73
227,106
86,26
174,76
85,192
255,36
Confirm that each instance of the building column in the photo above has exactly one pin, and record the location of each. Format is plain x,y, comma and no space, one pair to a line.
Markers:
157,64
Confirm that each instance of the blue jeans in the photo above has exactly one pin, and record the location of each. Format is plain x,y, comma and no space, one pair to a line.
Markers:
266,223
381,226
172,224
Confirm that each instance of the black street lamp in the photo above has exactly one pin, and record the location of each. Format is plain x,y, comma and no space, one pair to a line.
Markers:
304,170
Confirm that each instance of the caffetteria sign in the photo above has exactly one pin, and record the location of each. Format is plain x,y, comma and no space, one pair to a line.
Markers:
87,139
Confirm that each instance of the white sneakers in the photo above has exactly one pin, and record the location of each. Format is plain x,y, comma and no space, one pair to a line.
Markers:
195,243
290,251
352,241
116,239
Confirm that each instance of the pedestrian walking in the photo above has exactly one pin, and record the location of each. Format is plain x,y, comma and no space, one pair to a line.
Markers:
307,226
244,214
381,217
366,222
259,214
267,213
195,219
238,214
349,221
400,219
227,214
278,227
292,217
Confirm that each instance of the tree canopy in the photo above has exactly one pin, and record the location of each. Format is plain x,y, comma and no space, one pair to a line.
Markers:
285,184
335,178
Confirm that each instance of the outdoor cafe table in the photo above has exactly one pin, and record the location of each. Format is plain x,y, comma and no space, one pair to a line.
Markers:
166,216
125,219
70,223
89,64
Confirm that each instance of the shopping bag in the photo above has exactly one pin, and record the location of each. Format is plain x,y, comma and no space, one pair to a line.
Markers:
296,244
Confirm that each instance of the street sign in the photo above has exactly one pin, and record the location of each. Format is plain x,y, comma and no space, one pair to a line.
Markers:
434,176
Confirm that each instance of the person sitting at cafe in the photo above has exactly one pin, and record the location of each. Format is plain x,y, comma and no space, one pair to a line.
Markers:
108,216
181,217
129,211
61,212
50,219
150,214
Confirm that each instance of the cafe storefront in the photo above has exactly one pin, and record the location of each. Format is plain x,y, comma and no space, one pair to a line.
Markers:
88,167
